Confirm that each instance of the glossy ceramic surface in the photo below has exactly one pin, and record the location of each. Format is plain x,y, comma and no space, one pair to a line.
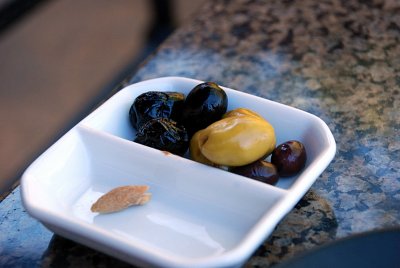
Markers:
199,216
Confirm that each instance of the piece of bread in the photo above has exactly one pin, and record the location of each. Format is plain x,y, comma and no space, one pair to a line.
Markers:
122,197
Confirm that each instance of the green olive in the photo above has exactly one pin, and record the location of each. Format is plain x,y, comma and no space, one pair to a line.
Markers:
242,112
236,140
195,153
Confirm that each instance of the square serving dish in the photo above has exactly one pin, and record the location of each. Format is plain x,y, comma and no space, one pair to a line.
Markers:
199,216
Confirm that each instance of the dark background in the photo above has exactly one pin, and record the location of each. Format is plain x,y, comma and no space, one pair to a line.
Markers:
59,57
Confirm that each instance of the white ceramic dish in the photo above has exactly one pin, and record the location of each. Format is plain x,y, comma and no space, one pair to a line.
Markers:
199,216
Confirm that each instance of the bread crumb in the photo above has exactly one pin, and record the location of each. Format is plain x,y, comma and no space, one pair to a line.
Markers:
122,197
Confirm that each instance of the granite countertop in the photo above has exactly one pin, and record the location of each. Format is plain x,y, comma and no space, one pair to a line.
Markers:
339,60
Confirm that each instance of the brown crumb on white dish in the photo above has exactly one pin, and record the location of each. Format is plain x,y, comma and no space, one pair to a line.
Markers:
121,198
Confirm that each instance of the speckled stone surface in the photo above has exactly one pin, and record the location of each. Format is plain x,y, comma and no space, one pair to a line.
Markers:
339,60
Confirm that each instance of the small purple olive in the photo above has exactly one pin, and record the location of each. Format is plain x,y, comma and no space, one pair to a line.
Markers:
289,158
259,170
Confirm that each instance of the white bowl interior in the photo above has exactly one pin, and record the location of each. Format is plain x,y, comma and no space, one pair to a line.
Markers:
177,219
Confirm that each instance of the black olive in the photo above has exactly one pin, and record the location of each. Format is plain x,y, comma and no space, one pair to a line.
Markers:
163,134
156,104
259,170
289,158
205,104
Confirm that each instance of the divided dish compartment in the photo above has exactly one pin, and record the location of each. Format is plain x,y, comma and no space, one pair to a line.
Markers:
191,214
200,218
198,215
289,123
